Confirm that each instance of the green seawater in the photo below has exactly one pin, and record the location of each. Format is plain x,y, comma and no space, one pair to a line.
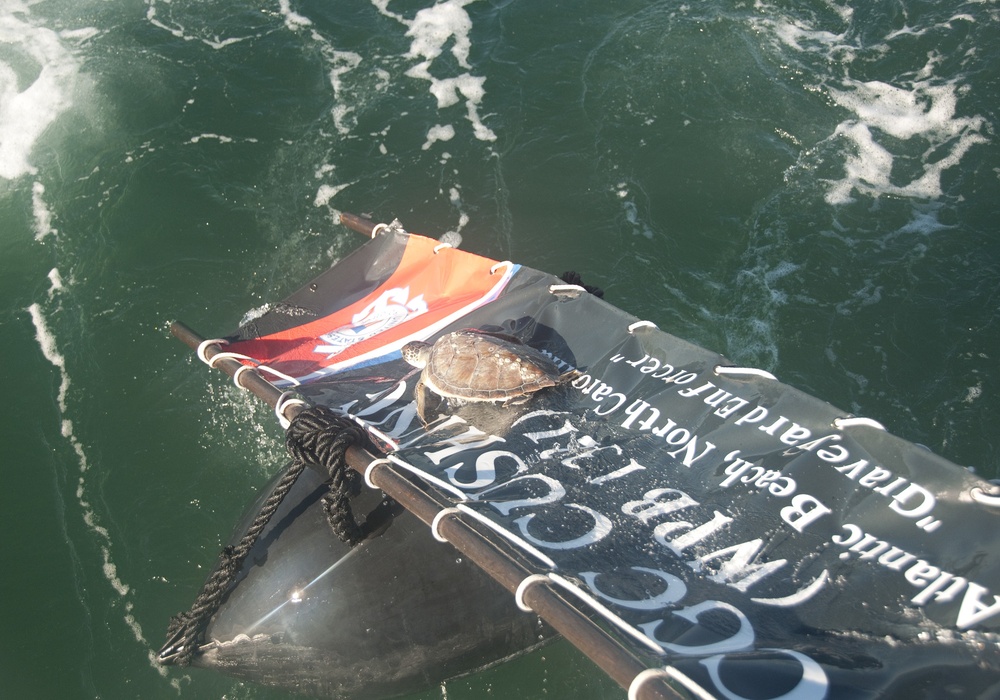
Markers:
809,187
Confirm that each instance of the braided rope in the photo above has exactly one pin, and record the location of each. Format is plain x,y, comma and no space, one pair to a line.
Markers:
320,437
317,436
185,629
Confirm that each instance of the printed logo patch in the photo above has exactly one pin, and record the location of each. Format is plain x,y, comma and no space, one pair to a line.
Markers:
391,308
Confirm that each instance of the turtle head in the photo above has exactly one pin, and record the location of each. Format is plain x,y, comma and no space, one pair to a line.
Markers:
416,353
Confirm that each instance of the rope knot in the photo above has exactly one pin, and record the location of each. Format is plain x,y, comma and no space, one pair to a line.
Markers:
318,436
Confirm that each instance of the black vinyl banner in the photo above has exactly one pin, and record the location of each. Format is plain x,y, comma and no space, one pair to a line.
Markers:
759,540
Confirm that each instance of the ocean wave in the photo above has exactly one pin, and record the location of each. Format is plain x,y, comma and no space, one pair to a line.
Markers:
49,347
214,24
431,30
903,125
39,75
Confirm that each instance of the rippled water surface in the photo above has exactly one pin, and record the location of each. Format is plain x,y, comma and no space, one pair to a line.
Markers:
811,187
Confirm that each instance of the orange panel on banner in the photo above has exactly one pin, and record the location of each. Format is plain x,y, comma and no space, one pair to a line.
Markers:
431,287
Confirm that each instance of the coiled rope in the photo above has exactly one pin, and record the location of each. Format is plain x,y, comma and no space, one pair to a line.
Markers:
320,437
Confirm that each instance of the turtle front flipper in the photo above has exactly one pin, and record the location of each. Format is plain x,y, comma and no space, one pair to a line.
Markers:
428,403
420,392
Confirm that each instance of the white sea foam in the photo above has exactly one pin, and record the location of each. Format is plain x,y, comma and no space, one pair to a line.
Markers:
55,282
802,38
50,350
433,27
293,20
973,392
38,75
924,220
327,192
181,32
437,133
869,168
217,137
42,215
47,344
431,30
923,111
383,7
631,211
455,197
254,314
341,63
915,107
639,227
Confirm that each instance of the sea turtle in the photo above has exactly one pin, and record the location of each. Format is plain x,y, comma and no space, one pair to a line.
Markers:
474,365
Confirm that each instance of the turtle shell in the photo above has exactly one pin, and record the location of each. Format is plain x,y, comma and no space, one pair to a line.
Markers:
482,366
